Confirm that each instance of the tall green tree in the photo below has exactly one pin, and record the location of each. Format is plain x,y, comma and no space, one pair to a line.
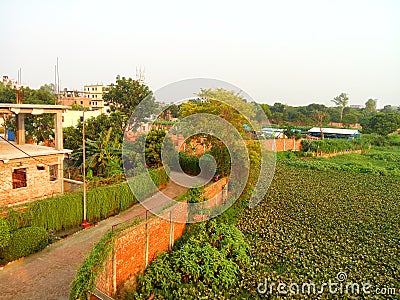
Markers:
342,101
125,96
370,107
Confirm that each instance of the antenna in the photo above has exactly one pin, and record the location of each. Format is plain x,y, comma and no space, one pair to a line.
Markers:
140,75
58,79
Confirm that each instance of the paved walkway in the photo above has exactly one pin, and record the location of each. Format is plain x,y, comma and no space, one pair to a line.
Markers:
49,273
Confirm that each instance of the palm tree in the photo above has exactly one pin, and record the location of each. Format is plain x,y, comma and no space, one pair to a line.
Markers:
104,155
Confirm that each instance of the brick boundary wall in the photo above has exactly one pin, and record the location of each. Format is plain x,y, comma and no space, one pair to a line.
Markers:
136,247
282,144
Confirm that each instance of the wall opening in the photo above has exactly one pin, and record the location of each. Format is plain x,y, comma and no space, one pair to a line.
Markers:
53,170
19,178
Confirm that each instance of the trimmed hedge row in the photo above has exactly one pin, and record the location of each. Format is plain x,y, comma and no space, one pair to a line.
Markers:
65,212
334,145
23,242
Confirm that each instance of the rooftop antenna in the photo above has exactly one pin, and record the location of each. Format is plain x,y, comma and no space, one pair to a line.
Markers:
58,79
140,75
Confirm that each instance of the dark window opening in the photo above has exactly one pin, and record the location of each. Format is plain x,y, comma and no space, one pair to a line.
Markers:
19,178
40,168
53,170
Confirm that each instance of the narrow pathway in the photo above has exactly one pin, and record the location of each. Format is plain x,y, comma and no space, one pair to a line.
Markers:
49,273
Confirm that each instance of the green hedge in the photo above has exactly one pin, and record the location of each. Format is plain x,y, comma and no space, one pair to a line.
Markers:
4,234
334,145
189,163
64,212
142,187
23,242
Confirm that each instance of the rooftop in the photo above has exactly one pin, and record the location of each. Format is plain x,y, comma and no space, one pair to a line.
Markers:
334,131
8,152
34,109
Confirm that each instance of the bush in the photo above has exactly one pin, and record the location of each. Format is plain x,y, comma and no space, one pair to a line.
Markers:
4,234
189,163
334,145
209,260
66,211
25,241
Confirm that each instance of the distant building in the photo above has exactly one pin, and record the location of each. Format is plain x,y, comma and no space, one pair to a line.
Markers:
95,93
70,118
275,133
334,133
337,124
357,106
91,97
14,84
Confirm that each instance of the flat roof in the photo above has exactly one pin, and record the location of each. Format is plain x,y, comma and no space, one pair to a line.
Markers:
334,131
35,109
8,152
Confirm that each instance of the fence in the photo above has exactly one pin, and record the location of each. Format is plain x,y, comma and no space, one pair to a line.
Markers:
135,247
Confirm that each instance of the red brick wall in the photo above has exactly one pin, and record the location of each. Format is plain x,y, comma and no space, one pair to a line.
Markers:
130,245
283,144
38,181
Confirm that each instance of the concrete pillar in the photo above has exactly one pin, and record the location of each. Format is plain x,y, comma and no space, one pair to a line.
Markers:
171,230
20,134
58,131
114,270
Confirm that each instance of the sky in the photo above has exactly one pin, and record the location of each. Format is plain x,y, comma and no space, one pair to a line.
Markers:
294,52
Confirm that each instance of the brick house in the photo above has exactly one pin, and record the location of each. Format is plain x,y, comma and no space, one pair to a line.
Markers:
27,171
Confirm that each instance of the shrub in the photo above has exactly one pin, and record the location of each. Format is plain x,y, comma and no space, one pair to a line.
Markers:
4,234
25,241
209,260
66,211
334,145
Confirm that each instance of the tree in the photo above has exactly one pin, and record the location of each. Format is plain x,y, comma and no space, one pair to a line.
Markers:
381,123
387,109
350,119
320,117
39,128
370,107
126,95
103,155
342,100
7,94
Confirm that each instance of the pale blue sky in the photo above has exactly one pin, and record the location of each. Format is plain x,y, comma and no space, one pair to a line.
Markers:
295,52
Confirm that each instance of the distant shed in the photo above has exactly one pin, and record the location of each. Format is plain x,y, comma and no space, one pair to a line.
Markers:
334,133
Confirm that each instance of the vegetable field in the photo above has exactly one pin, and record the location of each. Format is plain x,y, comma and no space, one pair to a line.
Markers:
314,224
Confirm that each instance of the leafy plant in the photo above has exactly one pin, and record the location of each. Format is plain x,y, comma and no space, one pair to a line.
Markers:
23,242
4,234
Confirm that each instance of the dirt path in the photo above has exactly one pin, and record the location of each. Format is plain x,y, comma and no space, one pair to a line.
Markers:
48,273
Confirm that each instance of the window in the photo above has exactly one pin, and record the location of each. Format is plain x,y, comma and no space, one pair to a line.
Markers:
81,102
19,178
40,167
53,170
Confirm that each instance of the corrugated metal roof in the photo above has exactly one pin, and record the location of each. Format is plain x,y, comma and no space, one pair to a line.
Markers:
334,131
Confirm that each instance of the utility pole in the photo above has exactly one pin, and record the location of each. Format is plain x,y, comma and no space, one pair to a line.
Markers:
85,224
